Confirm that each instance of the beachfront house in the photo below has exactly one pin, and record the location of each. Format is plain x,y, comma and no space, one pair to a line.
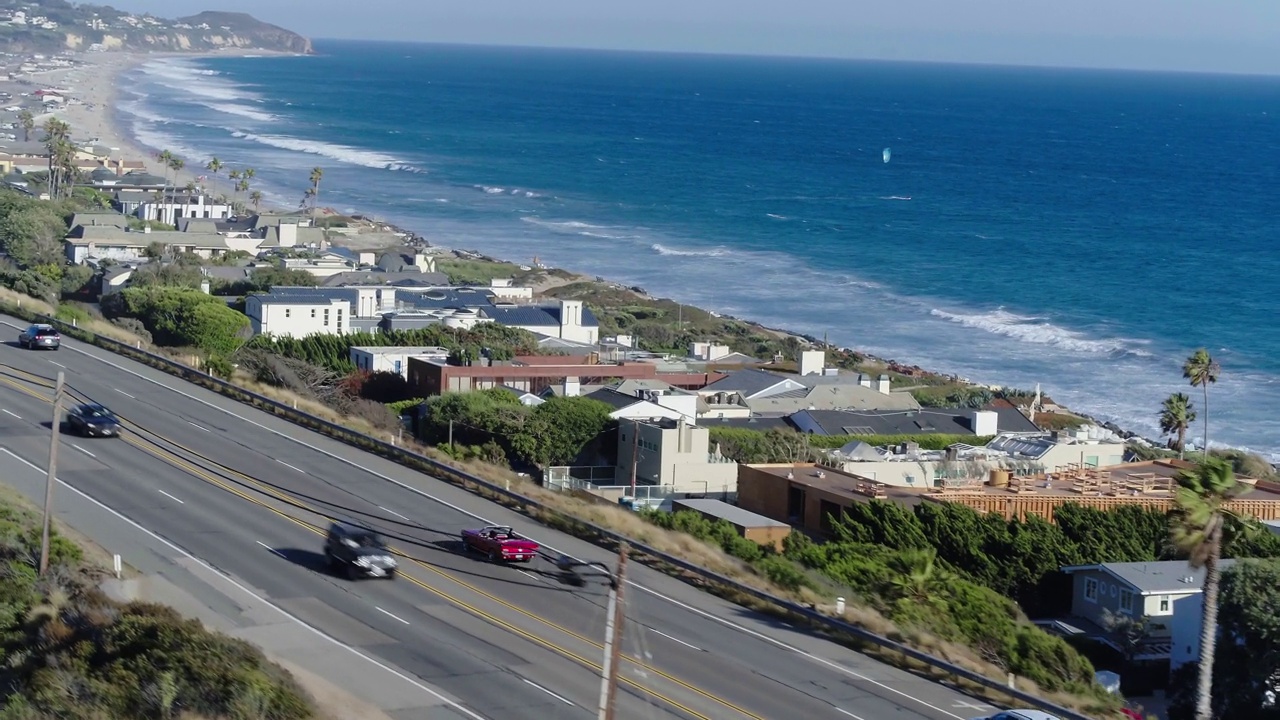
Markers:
759,393
172,207
127,245
298,316
637,400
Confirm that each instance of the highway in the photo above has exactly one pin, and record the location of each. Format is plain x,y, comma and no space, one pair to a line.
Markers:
249,492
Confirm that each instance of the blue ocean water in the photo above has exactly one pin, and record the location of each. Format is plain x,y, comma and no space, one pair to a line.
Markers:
1084,230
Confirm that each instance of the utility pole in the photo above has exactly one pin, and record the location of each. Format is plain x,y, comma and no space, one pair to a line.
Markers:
635,455
52,478
450,437
613,638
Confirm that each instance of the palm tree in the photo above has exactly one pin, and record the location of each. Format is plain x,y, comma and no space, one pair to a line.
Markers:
57,140
1202,370
191,187
28,123
242,186
255,197
214,166
1176,417
314,191
1201,519
917,574
248,173
176,164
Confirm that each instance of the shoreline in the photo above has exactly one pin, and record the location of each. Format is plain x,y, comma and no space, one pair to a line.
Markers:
101,75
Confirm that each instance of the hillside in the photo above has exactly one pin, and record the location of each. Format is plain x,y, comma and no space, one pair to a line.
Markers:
52,25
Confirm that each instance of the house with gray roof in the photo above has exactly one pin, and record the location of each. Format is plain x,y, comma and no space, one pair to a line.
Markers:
924,421
750,391
125,245
1167,596
111,219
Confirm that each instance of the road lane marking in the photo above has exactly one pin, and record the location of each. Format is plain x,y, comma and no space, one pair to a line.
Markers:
124,393
422,493
7,412
968,705
390,615
277,552
558,697
659,632
393,512
198,427
290,466
180,502
319,633
846,712
527,573
170,458
86,452
64,367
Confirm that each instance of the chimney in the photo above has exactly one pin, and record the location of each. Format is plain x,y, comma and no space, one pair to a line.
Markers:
811,362
572,387
985,422
287,234
882,385
570,313
424,263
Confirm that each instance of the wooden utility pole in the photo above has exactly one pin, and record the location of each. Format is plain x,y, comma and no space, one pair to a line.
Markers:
52,477
450,437
613,638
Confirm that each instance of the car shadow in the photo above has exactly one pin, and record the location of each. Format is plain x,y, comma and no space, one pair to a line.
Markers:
308,559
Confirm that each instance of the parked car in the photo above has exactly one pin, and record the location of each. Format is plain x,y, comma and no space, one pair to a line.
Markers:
93,420
40,336
500,544
358,551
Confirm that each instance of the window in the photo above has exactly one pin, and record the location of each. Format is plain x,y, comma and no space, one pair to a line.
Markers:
326,317
287,312
313,312
1164,605
1091,589
1126,601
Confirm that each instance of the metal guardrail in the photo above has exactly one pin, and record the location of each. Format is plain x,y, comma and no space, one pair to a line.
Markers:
409,458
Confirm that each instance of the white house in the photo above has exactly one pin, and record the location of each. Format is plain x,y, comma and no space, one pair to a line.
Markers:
393,359
647,400
124,245
298,317
1167,595
675,454
175,206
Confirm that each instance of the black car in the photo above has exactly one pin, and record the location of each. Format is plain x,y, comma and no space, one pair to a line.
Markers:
358,551
93,420
40,336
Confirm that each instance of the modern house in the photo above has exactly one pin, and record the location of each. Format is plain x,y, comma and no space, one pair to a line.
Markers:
176,205
749,392
647,400
393,358
526,373
299,317
674,454
925,421
1164,598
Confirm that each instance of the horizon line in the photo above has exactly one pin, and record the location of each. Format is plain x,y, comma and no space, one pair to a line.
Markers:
788,56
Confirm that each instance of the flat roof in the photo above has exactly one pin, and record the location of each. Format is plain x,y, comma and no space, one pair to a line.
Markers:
401,349
845,483
725,511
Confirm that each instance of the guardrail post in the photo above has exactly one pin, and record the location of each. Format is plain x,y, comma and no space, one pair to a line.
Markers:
1013,682
118,566
840,606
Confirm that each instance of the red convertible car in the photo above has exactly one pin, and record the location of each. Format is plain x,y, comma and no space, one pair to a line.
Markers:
500,544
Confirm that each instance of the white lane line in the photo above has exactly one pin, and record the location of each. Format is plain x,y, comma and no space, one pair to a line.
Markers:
86,452
290,466
180,502
558,697
669,637
846,712
393,512
807,655
277,552
64,367
390,615
124,393
198,427
422,493
7,412
319,633
527,573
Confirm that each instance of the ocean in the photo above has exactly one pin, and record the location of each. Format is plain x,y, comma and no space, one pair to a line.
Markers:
1085,230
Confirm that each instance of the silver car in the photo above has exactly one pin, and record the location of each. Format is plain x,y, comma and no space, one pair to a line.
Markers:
39,337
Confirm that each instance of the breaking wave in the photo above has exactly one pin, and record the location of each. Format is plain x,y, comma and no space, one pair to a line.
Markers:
341,153
1039,331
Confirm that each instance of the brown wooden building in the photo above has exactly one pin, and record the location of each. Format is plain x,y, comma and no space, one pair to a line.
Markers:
807,496
754,527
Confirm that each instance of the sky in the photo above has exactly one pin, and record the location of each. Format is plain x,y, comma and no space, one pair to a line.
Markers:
1238,36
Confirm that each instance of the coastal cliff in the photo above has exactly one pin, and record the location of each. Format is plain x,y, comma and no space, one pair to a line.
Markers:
53,25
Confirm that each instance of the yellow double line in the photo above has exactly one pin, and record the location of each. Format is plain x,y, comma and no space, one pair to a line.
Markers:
154,449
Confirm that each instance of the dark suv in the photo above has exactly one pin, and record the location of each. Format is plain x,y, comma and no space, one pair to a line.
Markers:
358,552
40,336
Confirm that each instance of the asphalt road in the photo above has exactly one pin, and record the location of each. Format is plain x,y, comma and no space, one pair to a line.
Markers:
246,491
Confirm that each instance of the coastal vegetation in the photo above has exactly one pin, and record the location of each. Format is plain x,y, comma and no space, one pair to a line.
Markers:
1176,416
71,651
1201,370
780,445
